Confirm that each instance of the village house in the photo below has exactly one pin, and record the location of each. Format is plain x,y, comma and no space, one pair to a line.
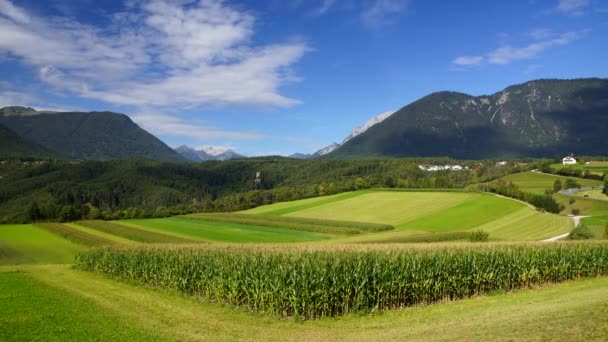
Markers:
501,163
570,160
429,167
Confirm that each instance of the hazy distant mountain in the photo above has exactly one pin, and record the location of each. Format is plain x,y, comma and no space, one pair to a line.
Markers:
207,153
540,118
300,156
94,135
325,150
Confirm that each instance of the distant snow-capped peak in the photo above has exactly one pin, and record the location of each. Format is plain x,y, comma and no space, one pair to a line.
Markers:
215,150
373,121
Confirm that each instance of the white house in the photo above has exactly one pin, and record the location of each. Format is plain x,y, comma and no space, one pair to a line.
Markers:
570,160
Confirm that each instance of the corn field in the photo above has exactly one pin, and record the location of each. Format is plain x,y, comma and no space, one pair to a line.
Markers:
312,283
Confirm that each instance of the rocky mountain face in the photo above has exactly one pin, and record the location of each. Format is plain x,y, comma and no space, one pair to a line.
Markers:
332,147
79,135
541,118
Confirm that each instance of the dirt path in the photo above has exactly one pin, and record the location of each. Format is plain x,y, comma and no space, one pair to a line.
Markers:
577,222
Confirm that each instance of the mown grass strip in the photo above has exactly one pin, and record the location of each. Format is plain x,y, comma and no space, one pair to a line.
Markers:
132,233
74,235
297,223
311,283
298,207
424,238
10,255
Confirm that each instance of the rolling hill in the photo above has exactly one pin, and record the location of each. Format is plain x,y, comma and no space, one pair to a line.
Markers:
79,135
14,146
536,119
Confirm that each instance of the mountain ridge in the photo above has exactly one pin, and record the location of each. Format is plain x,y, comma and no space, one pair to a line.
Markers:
539,118
86,135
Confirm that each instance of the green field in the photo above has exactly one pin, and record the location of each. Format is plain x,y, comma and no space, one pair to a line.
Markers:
26,244
593,194
56,303
223,231
537,182
598,225
422,215
595,167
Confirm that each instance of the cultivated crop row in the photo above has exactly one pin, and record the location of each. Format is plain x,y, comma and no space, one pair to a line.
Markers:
132,233
296,223
74,235
312,283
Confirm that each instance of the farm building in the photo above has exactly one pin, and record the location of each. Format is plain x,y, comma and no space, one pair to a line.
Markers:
501,163
570,160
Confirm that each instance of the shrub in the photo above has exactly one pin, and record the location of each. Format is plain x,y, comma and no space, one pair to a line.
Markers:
479,236
581,232
575,211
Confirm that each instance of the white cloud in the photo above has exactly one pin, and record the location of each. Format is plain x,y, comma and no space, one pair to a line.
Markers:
14,13
507,54
468,60
376,13
159,53
572,6
167,125
541,33
326,5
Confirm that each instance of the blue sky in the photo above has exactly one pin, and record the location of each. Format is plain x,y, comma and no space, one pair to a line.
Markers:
283,76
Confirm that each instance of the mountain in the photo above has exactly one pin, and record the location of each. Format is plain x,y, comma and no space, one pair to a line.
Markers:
325,150
373,121
300,156
355,132
94,135
192,154
541,118
207,153
14,146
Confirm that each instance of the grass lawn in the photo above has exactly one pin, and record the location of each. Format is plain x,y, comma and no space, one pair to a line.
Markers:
33,310
58,303
537,182
225,232
25,243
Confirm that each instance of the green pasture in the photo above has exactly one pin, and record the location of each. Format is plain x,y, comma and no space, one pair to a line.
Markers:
284,208
435,216
595,167
393,208
587,206
537,182
593,194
